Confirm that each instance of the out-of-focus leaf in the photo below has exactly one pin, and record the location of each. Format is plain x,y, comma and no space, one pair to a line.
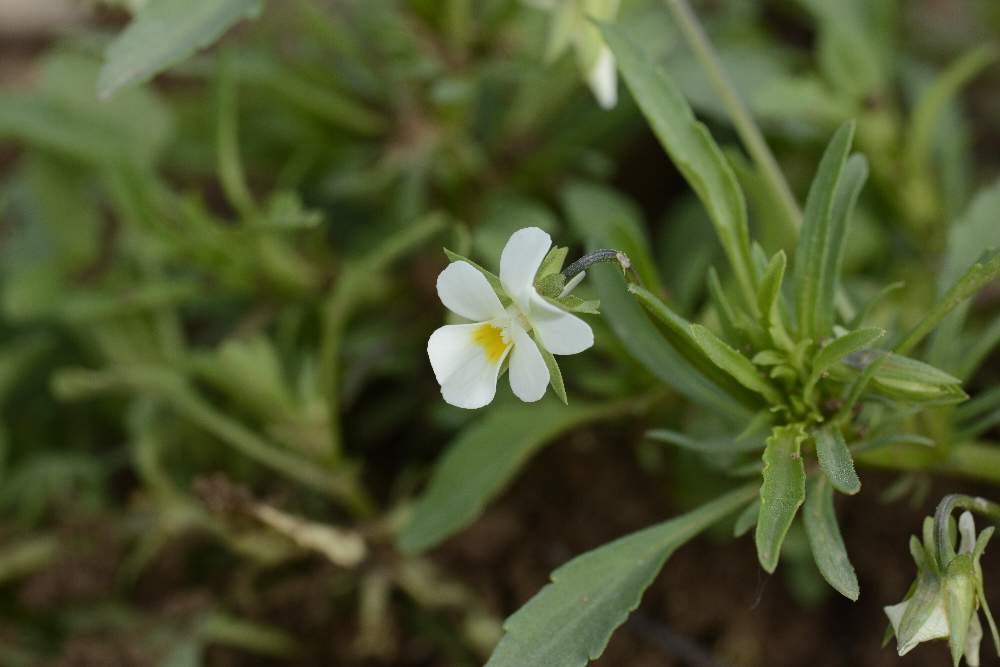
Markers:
604,220
855,43
63,116
483,459
569,622
827,545
747,519
164,33
505,215
782,493
977,229
928,110
835,460
980,274
707,446
817,259
692,149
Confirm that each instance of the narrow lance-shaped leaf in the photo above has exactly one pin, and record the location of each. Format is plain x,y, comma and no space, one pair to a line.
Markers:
782,493
569,622
825,540
165,33
483,459
838,349
835,460
769,295
677,331
604,220
734,363
821,240
692,149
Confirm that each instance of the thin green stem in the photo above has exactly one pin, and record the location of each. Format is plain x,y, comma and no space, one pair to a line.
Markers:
739,114
971,460
230,166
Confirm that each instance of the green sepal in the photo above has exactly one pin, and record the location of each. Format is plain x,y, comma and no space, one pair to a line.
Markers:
555,375
553,263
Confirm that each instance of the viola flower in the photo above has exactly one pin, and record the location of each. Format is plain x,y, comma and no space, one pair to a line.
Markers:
468,358
947,597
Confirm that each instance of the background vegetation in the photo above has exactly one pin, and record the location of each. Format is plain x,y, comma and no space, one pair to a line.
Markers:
217,418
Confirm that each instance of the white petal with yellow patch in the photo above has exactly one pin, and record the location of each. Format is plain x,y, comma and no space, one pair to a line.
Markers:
467,358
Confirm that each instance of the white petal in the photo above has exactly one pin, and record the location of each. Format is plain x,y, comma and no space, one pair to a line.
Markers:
468,378
603,79
935,627
529,376
967,529
520,260
465,291
972,641
559,331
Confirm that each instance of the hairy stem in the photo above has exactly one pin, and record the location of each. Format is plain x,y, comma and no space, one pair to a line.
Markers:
949,504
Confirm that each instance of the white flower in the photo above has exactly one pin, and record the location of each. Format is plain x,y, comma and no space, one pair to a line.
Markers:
467,358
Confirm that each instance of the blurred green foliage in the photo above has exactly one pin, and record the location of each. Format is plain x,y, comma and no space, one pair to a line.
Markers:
216,287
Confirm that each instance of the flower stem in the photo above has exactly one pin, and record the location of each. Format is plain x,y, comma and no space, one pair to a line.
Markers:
603,255
746,127
949,504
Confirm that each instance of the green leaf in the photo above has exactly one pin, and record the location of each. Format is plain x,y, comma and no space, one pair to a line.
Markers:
836,350
63,116
825,540
677,331
483,459
569,622
735,364
980,274
967,237
835,460
769,293
782,493
747,519
710,446
605,220
929,108
693,151
164,33
817,258
907,379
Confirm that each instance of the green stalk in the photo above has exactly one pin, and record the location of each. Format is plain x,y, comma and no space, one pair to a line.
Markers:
971,460
750,134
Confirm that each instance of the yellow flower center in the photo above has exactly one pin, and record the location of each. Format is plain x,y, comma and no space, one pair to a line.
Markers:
491,339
